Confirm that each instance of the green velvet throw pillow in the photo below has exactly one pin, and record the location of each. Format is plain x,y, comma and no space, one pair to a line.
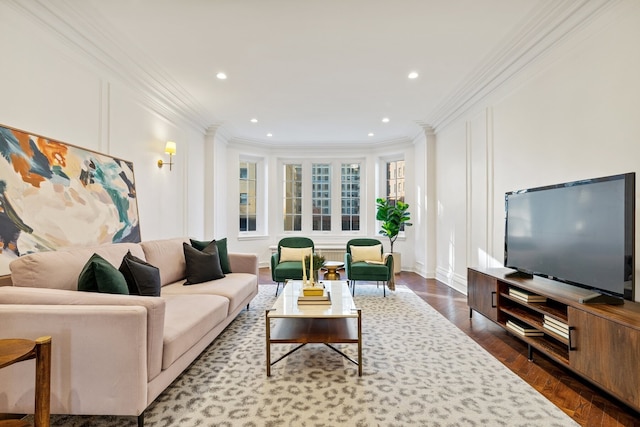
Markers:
223,253
98,275
202,266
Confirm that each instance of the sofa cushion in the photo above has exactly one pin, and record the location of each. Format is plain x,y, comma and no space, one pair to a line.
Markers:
98,275
187,319
223,252
237,287
142,278
42,269
168,255
202,266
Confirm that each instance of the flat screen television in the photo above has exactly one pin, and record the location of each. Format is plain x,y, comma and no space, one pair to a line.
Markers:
581,233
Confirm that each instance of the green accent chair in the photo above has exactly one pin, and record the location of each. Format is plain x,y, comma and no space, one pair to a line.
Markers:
363,271
281,271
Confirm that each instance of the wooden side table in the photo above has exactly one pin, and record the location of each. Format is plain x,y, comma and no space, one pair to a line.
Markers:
16,350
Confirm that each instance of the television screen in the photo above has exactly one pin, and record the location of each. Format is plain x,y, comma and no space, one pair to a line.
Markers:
579,232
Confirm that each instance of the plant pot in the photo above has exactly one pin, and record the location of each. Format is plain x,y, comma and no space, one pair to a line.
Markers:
397,262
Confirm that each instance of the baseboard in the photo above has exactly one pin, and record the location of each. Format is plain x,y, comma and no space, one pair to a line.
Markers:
451,279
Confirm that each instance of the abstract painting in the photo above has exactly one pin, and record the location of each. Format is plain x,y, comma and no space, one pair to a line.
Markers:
54,195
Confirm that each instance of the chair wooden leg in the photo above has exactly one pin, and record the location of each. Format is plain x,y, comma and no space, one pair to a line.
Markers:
277,286
41,417
353,288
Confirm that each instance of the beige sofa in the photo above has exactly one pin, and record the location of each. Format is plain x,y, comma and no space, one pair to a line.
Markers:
114,354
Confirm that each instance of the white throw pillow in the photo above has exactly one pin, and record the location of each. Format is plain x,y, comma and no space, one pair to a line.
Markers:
293,254
366,253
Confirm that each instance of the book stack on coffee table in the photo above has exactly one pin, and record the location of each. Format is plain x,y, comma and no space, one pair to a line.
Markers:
314,295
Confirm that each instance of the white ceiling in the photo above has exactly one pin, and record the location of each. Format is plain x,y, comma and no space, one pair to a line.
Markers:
315,70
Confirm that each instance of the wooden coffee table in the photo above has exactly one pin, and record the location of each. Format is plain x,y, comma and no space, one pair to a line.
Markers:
337,323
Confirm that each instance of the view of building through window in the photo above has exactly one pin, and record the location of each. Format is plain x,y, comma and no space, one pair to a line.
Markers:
292,197
395,181
350,189
321,196
248,193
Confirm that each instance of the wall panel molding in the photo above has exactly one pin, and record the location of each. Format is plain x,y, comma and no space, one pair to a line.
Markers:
79,27
547,27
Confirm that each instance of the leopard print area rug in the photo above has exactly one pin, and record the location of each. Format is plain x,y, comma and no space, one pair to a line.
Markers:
418,370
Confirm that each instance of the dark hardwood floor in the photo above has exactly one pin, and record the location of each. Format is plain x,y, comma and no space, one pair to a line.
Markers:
585,403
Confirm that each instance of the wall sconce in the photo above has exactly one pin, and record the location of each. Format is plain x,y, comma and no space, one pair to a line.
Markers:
170,149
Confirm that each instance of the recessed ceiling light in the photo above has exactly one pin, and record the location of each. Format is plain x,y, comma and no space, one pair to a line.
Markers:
254,120
385,120
221,76
370,134
413,75
269,135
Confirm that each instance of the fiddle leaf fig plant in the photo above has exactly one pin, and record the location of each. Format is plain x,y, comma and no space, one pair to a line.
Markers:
393,217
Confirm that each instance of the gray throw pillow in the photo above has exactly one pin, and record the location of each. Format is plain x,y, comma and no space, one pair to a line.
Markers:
223,252
202,266
142,278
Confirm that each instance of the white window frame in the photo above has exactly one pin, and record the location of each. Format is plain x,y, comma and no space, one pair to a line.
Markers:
261,196
336,197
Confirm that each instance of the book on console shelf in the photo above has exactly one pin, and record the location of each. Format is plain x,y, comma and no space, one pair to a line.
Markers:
555,330
523,329
315,299
526,296
556,323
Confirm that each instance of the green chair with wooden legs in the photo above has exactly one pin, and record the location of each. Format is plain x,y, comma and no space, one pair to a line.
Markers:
364,261
286,263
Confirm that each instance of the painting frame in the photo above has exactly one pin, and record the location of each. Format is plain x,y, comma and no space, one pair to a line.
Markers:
56,195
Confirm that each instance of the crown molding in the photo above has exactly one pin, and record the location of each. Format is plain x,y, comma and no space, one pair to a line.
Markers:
544,30
308,146
81,28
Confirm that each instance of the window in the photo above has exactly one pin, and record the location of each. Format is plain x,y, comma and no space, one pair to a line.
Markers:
350,195
321,196
292,197
331,199
395,181
248,196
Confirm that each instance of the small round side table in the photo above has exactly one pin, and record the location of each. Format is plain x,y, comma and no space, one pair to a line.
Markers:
332,270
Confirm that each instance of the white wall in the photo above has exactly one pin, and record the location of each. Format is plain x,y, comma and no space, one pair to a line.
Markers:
51,87
48,88
574,115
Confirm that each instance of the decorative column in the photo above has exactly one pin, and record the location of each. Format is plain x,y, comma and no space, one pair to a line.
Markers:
209,180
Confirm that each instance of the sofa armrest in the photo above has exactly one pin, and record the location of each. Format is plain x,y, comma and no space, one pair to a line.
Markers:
99,362
154,310
243,263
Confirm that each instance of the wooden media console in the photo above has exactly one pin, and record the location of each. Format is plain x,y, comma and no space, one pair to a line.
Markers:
599,342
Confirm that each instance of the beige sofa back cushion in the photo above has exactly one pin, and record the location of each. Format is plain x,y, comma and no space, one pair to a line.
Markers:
168,256
60,269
